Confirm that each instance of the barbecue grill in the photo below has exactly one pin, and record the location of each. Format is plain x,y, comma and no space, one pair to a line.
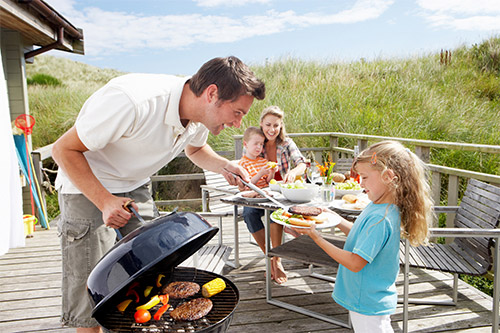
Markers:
153,249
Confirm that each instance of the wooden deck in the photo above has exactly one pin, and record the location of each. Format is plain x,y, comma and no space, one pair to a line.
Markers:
30,280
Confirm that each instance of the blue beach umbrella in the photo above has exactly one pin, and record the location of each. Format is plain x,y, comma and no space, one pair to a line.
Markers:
25,164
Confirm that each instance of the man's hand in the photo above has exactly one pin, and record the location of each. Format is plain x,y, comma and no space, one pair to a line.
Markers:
114,214
238,169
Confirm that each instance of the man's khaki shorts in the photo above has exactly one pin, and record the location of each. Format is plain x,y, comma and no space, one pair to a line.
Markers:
84,240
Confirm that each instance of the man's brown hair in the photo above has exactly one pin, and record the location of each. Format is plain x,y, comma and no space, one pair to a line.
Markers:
231,76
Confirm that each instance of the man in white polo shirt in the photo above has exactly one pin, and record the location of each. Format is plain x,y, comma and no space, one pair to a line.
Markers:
125,132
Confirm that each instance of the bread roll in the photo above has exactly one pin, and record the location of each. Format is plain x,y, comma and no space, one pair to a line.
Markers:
300,222
338,177
350,198
321,218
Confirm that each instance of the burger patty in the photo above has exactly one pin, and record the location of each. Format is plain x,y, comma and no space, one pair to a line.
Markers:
194,309
305,210
181,289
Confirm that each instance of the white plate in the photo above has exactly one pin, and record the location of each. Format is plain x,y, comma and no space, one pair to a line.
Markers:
341,193
333,220
240,196
345,207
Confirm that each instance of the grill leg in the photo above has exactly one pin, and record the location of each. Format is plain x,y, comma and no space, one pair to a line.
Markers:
236,237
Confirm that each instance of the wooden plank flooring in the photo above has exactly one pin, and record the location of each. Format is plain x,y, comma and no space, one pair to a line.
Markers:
30,280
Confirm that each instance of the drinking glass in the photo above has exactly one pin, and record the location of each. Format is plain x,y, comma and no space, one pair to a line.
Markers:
327,192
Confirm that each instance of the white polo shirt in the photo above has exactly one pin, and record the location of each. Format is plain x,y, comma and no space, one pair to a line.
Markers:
132,129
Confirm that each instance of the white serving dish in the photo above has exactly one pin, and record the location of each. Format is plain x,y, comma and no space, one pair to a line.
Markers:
300,194
276,187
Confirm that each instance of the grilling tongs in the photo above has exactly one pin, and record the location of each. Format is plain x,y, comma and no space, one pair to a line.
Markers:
258,190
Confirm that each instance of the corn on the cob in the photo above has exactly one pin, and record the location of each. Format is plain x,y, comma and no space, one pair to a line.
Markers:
213,287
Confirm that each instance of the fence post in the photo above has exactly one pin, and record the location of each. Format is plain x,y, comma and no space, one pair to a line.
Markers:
362,144
424,153
452,201
334,142
238,148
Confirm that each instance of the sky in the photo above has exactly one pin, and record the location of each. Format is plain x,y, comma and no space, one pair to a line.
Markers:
178,36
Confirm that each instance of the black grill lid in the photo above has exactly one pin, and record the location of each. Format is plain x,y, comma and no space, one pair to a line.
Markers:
168,240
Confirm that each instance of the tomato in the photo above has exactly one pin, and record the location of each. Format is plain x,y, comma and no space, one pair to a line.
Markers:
142,316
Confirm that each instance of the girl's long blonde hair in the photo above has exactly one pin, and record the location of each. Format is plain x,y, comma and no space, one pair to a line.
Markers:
411,189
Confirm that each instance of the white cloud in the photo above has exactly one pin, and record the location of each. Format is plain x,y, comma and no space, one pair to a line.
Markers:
228,3
110,32
470,15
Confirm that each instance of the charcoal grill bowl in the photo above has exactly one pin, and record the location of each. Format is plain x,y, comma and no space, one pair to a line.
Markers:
166,240
219,318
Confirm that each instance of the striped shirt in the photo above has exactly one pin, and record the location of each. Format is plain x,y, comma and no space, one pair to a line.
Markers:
253,167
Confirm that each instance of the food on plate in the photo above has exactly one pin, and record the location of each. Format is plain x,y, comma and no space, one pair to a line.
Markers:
294,185
254,195
181,289
301,222
350,198
305,210
273,181
299,219
338,177
194,309
356,202
213,287
348,185
142,316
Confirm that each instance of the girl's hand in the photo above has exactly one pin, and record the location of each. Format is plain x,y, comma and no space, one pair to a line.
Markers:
311,232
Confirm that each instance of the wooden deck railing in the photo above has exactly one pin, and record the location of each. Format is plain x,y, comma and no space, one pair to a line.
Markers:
421,147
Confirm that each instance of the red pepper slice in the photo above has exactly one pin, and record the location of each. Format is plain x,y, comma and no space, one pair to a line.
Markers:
161,311
164,298
132,292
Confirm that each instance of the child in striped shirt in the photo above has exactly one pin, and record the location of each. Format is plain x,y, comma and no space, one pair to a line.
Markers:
260,170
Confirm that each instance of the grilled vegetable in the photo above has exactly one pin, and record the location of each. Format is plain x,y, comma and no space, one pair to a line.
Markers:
158,280
133,292
142,316
161,311
147,291
164,299
123,305
152,302
213,287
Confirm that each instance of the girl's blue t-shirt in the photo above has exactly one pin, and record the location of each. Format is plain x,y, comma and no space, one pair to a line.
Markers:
375,236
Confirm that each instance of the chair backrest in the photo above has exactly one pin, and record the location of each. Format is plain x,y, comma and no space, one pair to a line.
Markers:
479,208
216,180
343,165
219,188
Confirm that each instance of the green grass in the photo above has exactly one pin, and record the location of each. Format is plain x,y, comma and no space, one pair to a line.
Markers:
416,98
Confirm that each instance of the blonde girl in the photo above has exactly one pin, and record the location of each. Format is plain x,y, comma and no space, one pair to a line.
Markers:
394,180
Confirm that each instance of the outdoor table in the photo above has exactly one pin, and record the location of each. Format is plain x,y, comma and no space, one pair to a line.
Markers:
289,250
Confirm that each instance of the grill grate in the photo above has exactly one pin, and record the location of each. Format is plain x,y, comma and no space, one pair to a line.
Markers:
224,304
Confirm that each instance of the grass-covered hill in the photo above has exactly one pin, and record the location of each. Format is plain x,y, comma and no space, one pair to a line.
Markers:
420,97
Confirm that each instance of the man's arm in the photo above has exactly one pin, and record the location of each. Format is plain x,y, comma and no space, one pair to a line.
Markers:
68,151
206,158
